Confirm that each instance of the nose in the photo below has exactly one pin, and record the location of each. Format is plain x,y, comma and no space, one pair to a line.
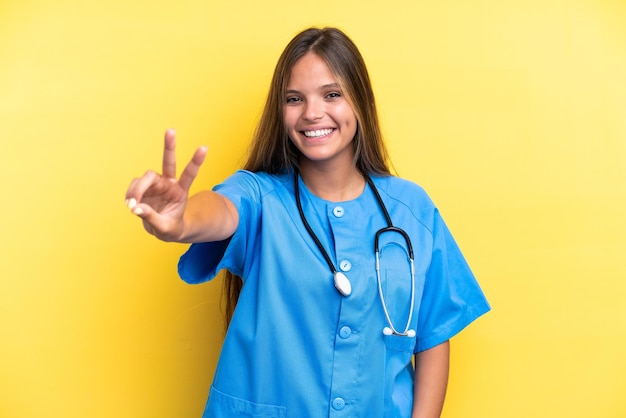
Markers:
314,110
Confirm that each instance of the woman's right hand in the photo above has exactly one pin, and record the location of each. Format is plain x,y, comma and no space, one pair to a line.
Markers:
160,199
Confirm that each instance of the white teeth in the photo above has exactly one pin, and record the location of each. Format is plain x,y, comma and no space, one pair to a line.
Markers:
318,133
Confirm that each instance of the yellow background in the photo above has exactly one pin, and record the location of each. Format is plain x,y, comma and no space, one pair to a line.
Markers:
512,114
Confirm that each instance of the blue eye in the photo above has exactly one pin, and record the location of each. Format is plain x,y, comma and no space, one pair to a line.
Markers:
333,95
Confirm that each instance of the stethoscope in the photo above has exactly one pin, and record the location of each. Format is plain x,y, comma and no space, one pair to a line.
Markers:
341,281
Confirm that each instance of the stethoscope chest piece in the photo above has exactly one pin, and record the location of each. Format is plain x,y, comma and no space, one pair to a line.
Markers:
342,284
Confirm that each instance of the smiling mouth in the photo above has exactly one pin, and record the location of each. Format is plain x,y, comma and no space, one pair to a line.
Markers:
317,133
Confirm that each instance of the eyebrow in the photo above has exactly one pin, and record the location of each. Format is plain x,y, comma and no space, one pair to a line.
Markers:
324,87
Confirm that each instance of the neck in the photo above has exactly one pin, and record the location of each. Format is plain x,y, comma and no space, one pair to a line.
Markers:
335,185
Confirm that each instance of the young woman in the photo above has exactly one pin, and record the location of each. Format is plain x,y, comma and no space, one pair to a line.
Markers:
347,272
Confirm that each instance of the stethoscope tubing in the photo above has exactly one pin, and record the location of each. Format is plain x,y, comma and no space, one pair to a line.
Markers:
407,332
390,228
394,331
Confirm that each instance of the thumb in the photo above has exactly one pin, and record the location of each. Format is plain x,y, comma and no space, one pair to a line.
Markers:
147,216
139,209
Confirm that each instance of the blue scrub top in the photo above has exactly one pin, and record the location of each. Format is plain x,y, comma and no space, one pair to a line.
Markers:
295,346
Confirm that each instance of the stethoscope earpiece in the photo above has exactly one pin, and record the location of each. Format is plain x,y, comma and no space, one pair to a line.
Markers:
410,333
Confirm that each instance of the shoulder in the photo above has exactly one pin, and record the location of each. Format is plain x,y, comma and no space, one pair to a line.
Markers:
253,183
404,192
408,200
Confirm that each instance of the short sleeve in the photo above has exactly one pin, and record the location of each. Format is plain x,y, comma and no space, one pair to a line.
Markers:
202,261
452,298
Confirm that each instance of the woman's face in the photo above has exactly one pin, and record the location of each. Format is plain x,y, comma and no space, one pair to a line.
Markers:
319,120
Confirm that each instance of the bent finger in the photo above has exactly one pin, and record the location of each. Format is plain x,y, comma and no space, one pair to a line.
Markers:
139,186
130,192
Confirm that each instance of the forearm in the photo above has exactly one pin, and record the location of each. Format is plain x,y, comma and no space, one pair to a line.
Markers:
431,381
208,216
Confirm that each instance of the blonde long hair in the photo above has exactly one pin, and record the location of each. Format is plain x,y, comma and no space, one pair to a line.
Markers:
272,151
